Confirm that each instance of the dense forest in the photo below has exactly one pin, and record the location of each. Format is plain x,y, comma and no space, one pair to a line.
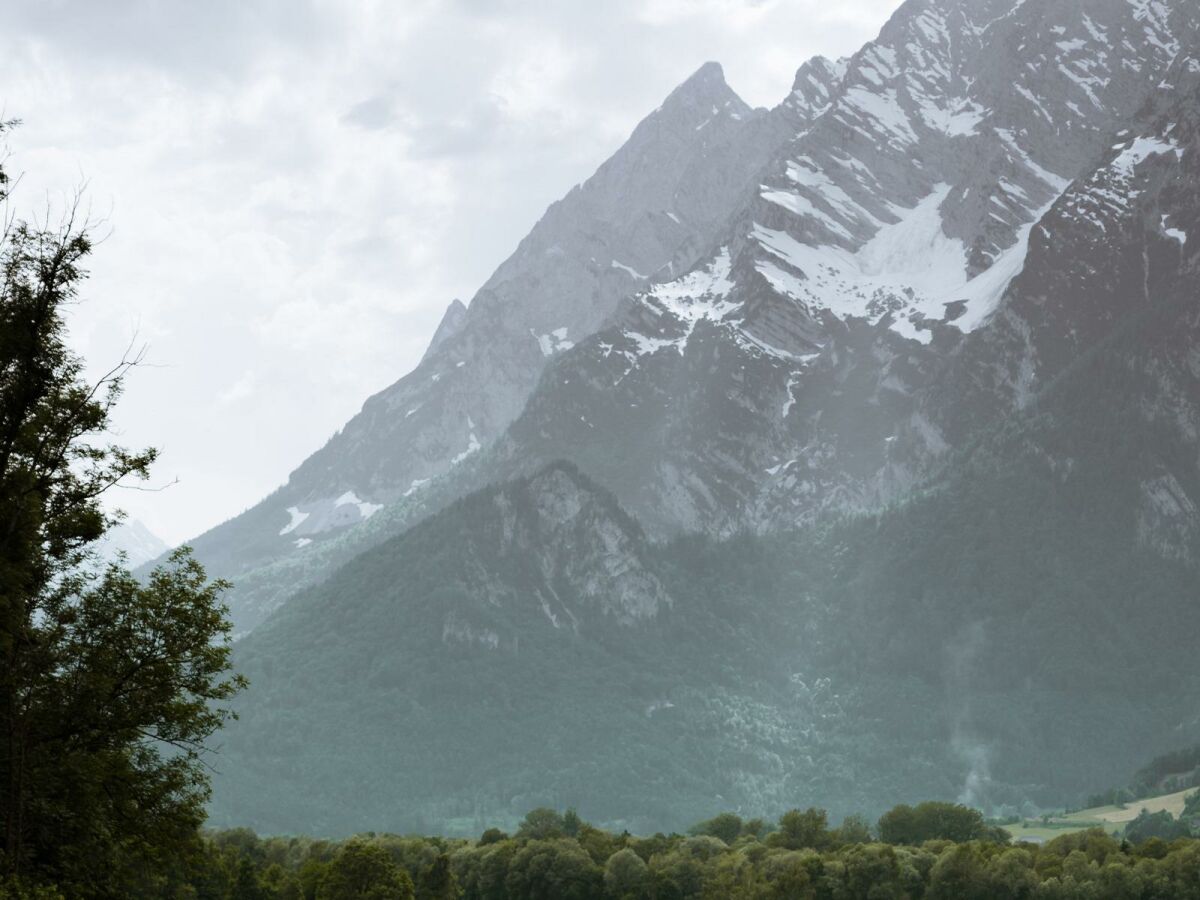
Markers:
934,850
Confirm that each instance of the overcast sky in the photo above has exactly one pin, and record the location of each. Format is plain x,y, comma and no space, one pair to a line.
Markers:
292,192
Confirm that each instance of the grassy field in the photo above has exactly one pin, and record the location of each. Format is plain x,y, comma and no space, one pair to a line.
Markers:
1112,819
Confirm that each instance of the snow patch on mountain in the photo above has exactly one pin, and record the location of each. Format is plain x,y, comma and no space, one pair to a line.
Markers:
297,519
473,445
365,509
554,342
702,294
910,270
1174,233
1141,149
960,120
326,514
629,269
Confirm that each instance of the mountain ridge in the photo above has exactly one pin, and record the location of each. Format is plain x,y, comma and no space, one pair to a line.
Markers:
816,370
889,491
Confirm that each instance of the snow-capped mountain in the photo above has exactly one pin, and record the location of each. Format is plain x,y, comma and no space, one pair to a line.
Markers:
133,539
650,210
839,258
916,386
791,372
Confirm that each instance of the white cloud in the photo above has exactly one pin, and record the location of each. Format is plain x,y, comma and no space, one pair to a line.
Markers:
296,190
738,14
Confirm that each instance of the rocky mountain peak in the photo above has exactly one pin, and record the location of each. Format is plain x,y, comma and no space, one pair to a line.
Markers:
814,87
706,83
779,376
453,320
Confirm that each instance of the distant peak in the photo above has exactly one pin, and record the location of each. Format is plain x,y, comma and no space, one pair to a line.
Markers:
711,71
452,322
815,85
707,82
703,90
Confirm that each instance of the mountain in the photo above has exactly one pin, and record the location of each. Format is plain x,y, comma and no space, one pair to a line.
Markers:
526,645
890,491
529,646
650,210
452,323
139,544
801,368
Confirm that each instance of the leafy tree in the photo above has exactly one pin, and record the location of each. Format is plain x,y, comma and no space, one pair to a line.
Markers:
853,830
493,870
726,826
363,871
541,824
14,888
1012,876
791,873
756,828
733,877
873,870
554,870
934,821
959,875
798,830
626,877
246,885
597,843
1191,806
571,823
676,875
701,867
1156,825
109,687
310,875
437,881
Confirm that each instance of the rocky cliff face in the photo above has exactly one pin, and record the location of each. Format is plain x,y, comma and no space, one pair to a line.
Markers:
844,316
829,352
552,546
650,210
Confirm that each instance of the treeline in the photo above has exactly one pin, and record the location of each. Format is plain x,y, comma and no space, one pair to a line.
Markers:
1166,774
935,850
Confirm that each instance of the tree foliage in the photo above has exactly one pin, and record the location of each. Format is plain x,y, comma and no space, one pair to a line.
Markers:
109,687
363,871
1088,864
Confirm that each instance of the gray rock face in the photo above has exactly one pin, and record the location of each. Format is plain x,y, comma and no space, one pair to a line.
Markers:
651,210
452,323
802,367
748,319
580,556
1110,274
